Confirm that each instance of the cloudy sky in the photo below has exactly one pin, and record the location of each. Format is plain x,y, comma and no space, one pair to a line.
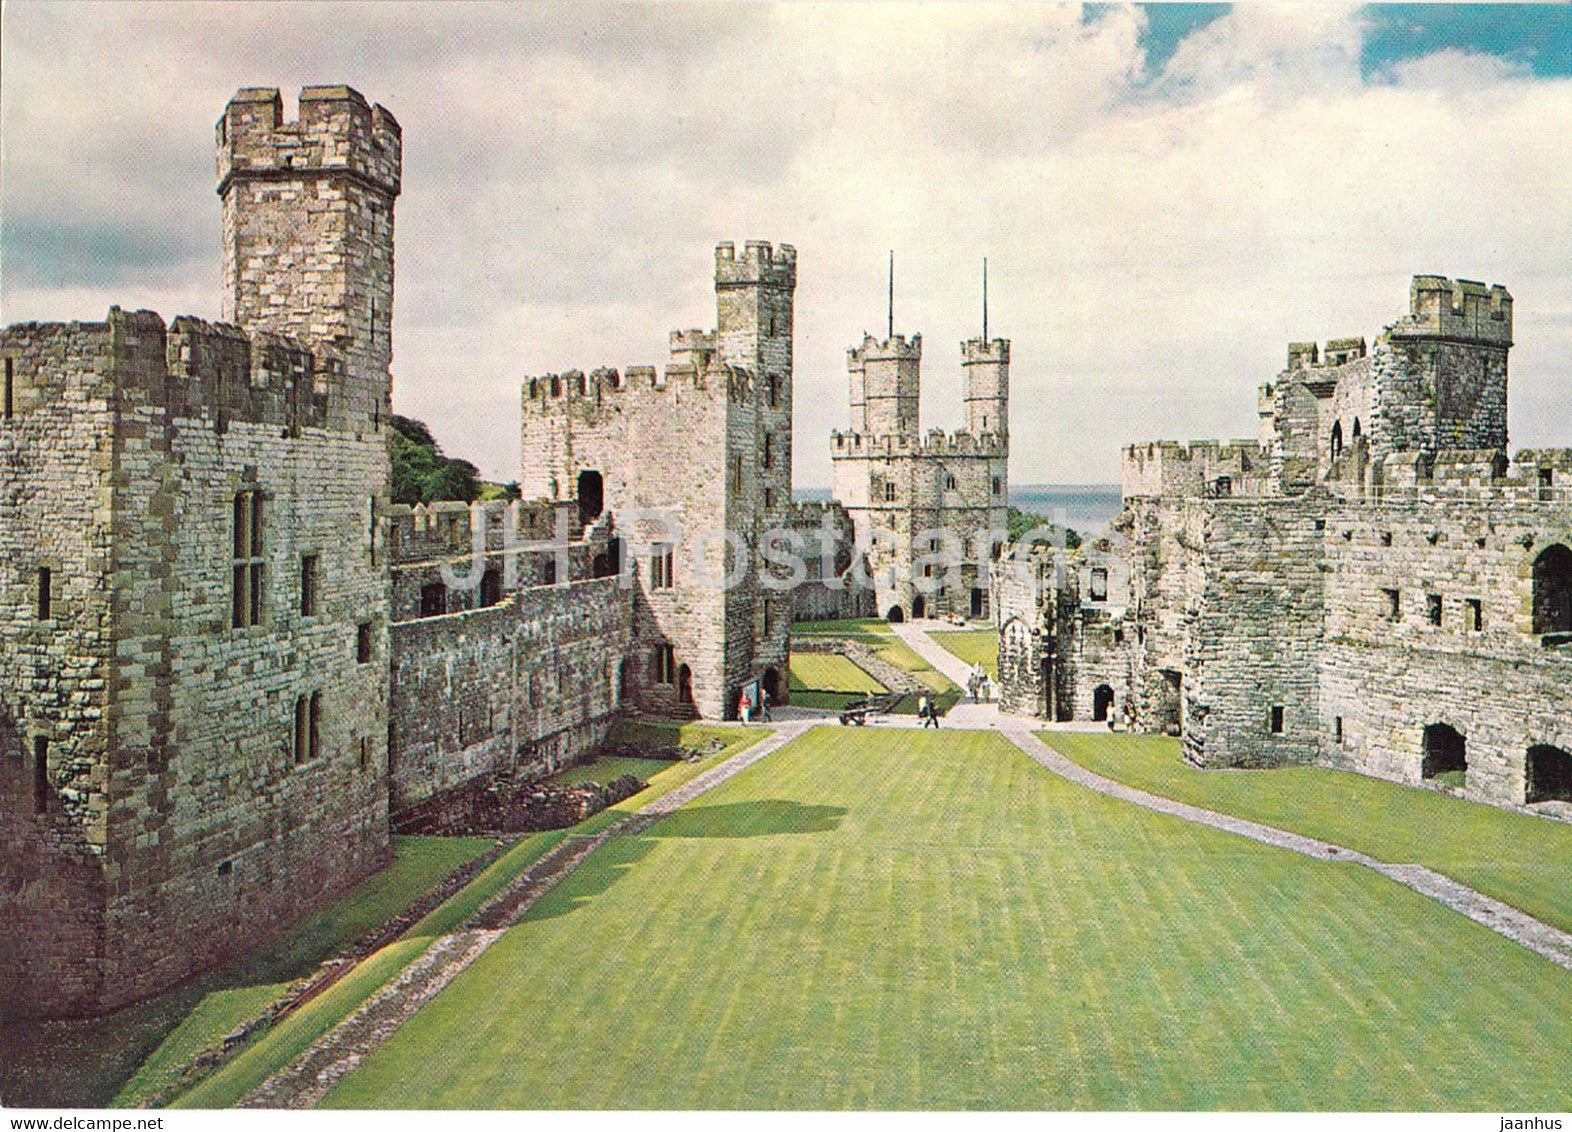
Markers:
1166,194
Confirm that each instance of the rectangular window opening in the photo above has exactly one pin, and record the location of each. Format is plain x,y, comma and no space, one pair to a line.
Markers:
1099,587
1433,608
308,585
45,597
1337,729
363,643
1277,720
1394,604
40,774
662,566
246,570
1476,615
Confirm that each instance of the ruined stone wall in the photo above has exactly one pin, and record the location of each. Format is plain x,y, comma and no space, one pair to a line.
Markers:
1255,626
1202,468
1388,674
526,686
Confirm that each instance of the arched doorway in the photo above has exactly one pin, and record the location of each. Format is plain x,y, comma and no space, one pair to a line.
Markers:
685,685
490,587
772,685
895,616
1446,751
592,497
1102,702
1549,775
1553,591
919,607
624,678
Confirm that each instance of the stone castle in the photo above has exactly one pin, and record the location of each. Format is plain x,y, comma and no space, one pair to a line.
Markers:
1372,583
229,666
921,501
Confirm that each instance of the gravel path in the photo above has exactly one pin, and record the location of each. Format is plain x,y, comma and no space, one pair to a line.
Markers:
307,1079
1518,926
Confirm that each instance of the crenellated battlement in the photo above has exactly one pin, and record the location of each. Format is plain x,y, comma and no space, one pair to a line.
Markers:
605,389
215,372
856,445
896,348
1337,352
337,132
759,263
974,351
1198,468
1464,309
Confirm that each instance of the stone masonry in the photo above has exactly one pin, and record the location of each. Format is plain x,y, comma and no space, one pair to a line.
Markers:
1372,584
918,502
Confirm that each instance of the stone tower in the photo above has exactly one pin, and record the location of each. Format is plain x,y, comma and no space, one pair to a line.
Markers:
695,465
886,380
1443,383
308,230
193,620
986,369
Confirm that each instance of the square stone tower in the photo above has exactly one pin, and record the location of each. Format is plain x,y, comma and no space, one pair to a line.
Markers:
193,601
695,465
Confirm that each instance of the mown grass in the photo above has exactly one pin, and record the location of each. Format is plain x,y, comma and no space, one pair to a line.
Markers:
249,985
973,646
829,672
931,920
1522,860
278,1047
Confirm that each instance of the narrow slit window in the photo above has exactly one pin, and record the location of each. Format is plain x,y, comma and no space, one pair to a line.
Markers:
40,774
10,391
1277,720
45,596
1476,615
363,643
308,585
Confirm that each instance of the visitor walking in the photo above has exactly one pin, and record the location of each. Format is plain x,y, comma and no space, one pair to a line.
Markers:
764,704
971,685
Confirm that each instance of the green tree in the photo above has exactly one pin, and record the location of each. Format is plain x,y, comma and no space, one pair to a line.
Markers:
421,473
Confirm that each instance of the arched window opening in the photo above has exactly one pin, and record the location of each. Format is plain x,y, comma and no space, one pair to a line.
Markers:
1549,775
490,587
1553,591
1357,432
1337,440
1445,755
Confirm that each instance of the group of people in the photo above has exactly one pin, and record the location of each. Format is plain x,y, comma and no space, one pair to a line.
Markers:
979,685
749,711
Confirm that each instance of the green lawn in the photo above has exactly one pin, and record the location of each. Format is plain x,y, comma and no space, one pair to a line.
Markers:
871,626
974,646
275,1049
931,920
1522,860
829,672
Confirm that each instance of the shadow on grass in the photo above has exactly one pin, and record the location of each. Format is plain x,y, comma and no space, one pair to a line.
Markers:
612,860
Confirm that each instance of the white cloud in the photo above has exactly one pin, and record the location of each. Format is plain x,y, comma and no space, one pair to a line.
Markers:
1153,241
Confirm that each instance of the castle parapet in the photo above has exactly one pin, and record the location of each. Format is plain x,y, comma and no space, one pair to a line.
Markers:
1443,308
1201,469
895,348
859,445
337,131
974,351
1337,352
759,263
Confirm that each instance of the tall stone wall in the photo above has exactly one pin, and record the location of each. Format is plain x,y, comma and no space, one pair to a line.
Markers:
526,686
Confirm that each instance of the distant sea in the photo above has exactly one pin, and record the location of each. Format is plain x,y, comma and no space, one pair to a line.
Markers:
1086,507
